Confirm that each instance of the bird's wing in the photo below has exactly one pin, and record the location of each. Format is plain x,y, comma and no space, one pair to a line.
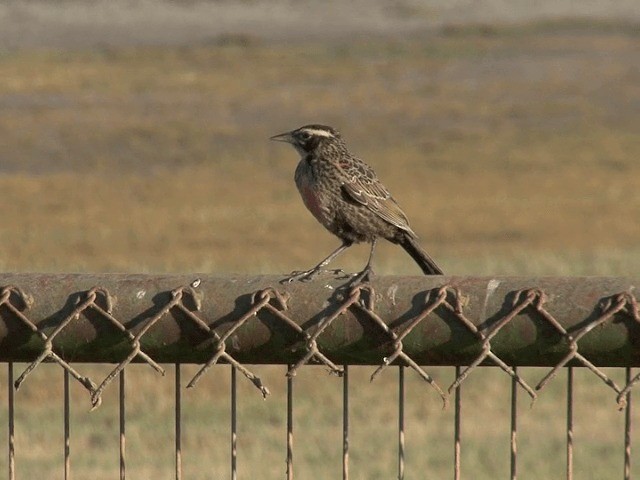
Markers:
362,186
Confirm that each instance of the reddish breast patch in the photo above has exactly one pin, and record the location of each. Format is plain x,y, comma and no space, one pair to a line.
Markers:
311,201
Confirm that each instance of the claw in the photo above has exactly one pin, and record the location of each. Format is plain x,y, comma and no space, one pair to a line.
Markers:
363,277
300,276
308,275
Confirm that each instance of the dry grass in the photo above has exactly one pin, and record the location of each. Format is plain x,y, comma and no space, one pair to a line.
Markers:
513,152
317,441
494,145
192,220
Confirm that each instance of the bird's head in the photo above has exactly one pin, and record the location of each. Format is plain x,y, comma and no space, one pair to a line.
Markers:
310,138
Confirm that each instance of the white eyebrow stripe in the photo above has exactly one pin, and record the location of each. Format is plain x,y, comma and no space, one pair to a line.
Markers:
318,132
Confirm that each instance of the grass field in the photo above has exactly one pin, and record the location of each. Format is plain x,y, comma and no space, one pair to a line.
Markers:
514,150
598,430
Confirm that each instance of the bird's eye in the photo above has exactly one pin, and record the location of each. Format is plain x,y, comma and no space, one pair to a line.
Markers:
304,136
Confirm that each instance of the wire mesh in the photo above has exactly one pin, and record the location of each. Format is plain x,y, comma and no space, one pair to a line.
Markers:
401,397
178,422
457,425
234,424
570,423
290,426
122,424
407,338
66,416
514,426
345,422
627,428
11,422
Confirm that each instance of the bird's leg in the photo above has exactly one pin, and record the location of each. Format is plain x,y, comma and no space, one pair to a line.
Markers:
366,274
312,272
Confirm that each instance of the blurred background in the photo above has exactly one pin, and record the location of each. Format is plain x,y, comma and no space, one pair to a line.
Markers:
134,134
134,138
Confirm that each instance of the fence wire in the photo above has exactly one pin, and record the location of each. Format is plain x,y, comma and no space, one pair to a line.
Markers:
399,341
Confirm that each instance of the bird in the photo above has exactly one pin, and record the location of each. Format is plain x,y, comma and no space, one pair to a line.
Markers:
345,195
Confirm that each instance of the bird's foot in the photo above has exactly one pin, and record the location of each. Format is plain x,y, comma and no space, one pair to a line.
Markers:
308,275
300,276
363,277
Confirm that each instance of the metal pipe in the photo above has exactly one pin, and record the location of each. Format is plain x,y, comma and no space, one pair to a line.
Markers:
66,416
122,417
570,423
178,422
234,424
345,422
289,427
12,437
401,393
514,427
457,430
627,430
179,318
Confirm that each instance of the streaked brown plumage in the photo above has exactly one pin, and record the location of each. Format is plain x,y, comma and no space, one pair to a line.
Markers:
344,194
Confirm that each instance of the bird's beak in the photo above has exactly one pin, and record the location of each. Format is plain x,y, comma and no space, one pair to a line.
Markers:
283,137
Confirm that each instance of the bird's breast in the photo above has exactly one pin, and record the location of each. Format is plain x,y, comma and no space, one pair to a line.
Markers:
310,189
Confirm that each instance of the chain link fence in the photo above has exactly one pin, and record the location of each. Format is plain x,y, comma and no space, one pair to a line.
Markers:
405,322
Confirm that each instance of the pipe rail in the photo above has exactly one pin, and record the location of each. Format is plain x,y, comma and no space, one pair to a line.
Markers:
242,320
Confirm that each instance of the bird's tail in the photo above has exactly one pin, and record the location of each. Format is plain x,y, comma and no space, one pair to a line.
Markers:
422,258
